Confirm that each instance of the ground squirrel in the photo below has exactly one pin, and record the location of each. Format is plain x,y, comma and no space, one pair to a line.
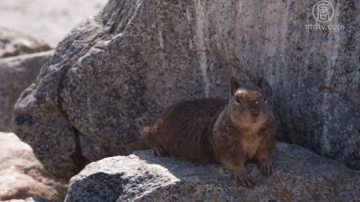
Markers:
219,131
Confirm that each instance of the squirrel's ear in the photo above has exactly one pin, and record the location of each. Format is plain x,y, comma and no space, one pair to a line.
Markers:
234,85
259,82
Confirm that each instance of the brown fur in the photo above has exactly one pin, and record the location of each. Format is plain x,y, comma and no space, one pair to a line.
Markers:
218,131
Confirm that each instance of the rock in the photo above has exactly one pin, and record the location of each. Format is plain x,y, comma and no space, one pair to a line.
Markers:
116,72
13,43
22,175
16,74
34,199
300,175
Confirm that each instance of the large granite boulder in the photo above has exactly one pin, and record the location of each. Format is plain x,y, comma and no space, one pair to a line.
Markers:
116,72
22,175
16,74
300,175
13,43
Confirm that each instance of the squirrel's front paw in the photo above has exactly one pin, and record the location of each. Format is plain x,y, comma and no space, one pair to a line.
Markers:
243,179
267,167
160,151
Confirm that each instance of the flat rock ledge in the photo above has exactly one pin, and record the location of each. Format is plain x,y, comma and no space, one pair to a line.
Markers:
300,175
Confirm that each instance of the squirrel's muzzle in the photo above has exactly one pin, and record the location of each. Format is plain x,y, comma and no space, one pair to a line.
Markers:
254,111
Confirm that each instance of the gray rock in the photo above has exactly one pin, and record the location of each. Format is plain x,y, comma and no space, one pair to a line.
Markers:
16,74
300,175
115,73
13,43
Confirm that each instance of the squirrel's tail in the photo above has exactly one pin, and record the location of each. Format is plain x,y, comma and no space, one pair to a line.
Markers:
149,136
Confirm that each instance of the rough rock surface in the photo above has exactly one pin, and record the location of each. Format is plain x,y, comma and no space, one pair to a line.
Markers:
300,175
22,175
16,74
13,43
115,73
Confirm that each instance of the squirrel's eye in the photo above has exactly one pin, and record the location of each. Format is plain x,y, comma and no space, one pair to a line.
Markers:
237,99
265,99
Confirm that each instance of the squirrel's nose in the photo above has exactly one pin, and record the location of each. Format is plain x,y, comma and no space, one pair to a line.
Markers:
254,111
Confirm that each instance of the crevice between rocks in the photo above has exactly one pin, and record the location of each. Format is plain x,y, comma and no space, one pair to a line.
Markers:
79,160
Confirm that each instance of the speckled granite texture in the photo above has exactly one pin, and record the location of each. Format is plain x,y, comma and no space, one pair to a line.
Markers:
300,175
116,72
16,74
